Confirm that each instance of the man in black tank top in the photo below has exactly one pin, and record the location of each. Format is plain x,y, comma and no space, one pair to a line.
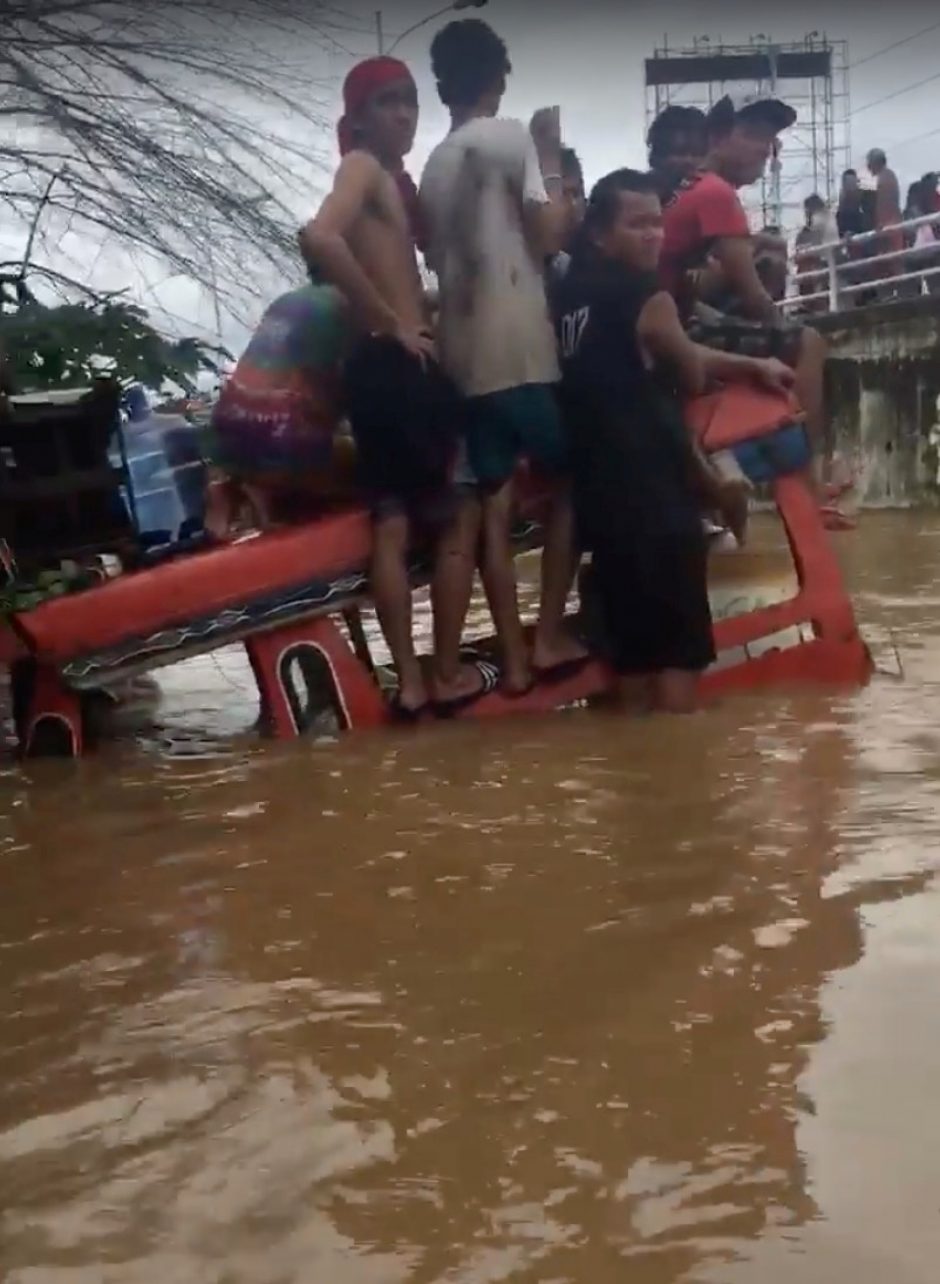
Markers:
640,483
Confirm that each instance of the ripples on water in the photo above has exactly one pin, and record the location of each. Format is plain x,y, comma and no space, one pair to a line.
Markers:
571,1001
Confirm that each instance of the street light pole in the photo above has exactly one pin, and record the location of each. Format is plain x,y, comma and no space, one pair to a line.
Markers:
454,7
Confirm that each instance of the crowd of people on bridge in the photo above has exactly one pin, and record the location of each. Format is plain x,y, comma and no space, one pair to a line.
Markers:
872,213
563,334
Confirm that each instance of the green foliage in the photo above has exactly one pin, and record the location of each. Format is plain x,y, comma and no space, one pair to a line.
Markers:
69,345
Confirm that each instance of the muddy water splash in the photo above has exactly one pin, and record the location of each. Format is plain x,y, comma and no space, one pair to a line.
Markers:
566,1001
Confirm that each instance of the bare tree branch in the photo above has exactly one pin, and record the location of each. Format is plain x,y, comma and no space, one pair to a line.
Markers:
189,131
31,239
64,284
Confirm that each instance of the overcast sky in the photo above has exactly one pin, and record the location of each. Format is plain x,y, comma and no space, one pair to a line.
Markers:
587,56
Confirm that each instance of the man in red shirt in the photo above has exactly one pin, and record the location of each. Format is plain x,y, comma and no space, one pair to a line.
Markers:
708,255
705,218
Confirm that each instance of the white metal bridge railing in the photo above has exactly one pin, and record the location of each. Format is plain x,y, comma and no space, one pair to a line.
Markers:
845,275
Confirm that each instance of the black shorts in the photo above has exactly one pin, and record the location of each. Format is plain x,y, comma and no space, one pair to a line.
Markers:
405,417
651,602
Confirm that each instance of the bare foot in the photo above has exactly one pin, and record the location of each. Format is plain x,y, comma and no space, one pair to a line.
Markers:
562,648
467,682
733,498
841,481
836,489
412,693
835,520
516,682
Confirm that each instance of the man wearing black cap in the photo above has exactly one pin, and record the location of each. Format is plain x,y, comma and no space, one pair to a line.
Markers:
708,253
705,217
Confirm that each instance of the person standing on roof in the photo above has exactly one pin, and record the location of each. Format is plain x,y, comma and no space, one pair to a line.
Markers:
492,197
403,410
640,482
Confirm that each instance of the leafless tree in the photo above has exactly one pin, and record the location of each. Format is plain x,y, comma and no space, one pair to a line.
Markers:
181,130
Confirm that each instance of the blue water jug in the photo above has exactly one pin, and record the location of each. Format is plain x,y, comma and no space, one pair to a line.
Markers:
166,476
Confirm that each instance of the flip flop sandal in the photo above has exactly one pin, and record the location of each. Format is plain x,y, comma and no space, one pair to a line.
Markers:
489,682
403,714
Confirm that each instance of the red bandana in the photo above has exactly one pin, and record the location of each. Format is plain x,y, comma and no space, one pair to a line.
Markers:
366,79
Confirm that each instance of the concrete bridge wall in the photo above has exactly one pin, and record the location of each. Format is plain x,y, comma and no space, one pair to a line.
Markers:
883,394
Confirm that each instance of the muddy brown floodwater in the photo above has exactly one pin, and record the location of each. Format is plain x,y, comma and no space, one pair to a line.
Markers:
571,1000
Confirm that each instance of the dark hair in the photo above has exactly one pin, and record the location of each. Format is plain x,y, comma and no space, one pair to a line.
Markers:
467,59
604,204
727,113
814,202
670,124
915,204
571,162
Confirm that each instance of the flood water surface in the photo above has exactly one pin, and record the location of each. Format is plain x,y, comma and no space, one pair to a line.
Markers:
570,1000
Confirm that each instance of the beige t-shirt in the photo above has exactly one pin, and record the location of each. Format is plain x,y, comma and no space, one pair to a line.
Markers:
494,330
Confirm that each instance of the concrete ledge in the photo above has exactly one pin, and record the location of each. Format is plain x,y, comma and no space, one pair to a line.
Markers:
882,388
875,315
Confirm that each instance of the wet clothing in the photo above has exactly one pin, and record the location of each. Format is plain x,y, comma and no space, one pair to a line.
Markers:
404,415
278,411
502,427
702,210
494,331
652,605
725,332
636,497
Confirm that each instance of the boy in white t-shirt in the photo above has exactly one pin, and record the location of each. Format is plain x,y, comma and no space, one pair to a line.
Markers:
491,197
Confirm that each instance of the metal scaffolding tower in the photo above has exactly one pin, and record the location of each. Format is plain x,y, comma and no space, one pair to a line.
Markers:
812,75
